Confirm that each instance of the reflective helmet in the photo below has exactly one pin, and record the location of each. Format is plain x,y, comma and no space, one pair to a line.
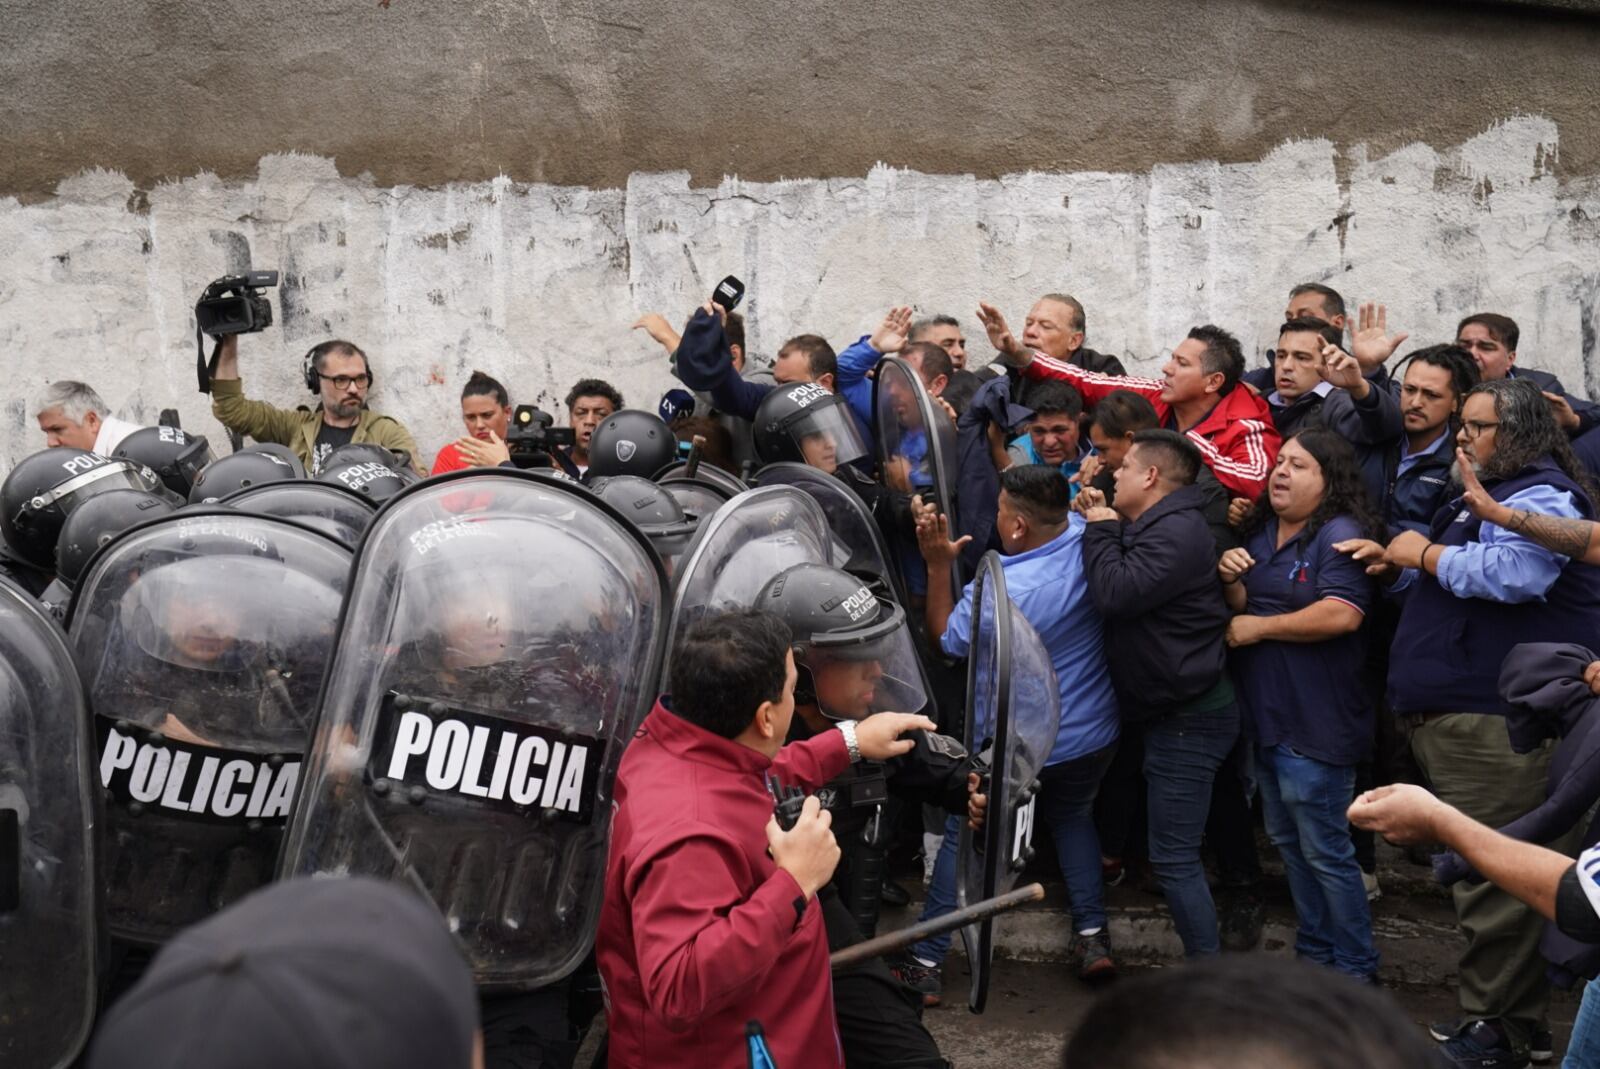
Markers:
171,453
99,521
369,470
281,451
329,507
803,422
43,489
631,442
247,467
851,644
651,509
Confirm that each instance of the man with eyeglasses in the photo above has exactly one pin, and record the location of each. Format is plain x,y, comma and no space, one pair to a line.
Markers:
338,372
1474,590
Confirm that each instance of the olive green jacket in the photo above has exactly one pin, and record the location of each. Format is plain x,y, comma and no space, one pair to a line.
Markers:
298,429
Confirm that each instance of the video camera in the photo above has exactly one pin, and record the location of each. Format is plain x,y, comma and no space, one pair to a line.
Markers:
234,304
532,434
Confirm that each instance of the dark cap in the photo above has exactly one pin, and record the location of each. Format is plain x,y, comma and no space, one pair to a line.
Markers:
305,974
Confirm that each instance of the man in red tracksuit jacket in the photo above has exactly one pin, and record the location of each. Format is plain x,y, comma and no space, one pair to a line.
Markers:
710,918
1197,395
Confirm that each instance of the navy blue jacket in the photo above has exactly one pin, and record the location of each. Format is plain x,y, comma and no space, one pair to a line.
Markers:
1155,582
1410,501
977,482
1448,651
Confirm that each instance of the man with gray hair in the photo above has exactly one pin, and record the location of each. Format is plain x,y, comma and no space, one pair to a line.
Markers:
71,413
1056,327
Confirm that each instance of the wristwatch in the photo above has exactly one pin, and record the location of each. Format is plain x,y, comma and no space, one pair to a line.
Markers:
847,728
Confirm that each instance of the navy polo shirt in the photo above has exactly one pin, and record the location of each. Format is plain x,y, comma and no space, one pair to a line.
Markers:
1310,696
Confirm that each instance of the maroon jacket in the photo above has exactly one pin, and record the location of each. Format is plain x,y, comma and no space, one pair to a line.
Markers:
700,932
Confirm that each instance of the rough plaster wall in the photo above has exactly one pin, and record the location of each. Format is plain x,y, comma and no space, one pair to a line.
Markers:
589,92
538,284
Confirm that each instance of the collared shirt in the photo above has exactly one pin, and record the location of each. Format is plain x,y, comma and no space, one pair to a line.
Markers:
1504,566
112,432
1275,399
1408,459
1022,452
1047,585
1307,695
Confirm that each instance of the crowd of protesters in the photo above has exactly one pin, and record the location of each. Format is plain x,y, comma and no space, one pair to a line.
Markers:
1265,591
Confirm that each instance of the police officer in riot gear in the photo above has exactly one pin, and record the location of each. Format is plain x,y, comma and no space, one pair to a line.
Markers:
38,495
92,525
653,510
173,454
631,442
370,470
331,508
247,467
853,651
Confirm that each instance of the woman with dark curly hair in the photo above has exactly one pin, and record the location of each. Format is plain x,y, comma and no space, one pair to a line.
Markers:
1297,660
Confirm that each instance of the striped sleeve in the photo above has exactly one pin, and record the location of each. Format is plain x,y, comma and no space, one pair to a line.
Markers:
1092,384
1244,461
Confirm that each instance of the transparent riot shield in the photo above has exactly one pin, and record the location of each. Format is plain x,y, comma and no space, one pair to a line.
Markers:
329,507
202,639
1014,711
916,445
710,474
858,543
47,857
746,542
500,645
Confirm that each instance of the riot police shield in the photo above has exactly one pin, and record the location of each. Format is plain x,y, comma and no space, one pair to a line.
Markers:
331,508
858,543
706,473
703,491
500,645
202,638
1014,709
47,862
916,449
742,545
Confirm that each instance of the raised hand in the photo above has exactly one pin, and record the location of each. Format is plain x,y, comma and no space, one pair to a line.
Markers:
1476,498
1370,342
1565,417
1000,336
659,329
1341,369
933,534
489,454
1366,551
890,337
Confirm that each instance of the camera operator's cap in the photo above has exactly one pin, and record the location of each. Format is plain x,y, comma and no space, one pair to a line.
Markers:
305,974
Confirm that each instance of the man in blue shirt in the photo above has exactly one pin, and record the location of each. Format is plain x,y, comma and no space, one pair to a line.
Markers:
1473,591
1042,543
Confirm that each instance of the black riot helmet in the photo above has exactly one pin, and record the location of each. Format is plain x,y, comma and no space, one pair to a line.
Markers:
651,509
804,423
329,507
247,467
173,454
370,470
851,644
99,521
43,489
282,451
631,442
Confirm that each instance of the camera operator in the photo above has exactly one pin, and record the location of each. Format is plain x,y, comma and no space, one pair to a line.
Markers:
339,374
71,413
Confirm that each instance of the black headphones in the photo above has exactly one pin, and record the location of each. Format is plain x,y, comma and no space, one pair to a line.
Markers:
308,366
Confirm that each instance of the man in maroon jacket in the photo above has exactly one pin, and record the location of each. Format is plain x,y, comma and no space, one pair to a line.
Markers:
710,918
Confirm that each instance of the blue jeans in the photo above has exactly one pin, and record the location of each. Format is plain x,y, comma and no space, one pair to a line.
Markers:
1182,754
941,894
1583,1051
1304,802
1066,802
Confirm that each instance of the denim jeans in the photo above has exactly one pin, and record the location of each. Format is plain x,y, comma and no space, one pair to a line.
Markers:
1304,801
1583,1050
1066,802
1182,754
941,894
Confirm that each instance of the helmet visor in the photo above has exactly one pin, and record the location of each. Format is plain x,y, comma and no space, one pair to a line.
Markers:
875,671
826,436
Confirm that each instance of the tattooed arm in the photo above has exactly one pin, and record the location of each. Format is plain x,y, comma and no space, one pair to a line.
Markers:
1578,539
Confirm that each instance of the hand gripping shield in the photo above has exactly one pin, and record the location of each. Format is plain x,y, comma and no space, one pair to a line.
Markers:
202,639
1014,711
916,451
47,871
500,645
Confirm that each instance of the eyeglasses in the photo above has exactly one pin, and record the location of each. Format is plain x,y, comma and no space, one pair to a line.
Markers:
1476,427
344,382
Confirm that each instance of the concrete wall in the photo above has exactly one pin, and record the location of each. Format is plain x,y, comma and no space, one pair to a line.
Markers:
538,284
